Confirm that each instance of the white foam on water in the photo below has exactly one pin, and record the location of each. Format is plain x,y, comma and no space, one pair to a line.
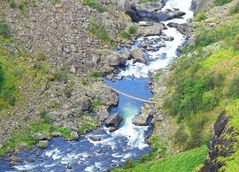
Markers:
141,70
54,154
184,6
90,168
98,165
134,134
25,167
134,69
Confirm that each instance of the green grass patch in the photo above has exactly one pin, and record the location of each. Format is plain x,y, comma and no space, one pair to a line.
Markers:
97,74
147,1
100,31
4,29
129,33
235,8
14,141
221,2
201,16
184,162
88,123
205,35
95,4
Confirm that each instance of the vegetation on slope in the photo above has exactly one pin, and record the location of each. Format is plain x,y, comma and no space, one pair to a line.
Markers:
184,162
200,85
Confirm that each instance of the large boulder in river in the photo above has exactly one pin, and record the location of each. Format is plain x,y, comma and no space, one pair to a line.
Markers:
114,120
42,144
95,138
149,30
115,59
183,28
138,55
151,7
175,13
140,120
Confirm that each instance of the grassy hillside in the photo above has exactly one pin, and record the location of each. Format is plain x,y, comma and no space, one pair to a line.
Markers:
183,162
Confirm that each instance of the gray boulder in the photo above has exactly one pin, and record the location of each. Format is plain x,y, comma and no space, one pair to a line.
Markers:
115,59
140,120
112,129
175,14
114,120
95,138
86,104
167,38
42,144
103,114
74,135
138,55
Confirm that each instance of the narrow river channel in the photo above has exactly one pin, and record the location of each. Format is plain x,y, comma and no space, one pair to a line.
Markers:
129,141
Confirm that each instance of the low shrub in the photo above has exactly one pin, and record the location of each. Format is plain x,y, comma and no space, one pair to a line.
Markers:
13,3
61,76
201,16
236,43
97,74
127,34
4,29
221,2
233,87
95,4
235,8
99,31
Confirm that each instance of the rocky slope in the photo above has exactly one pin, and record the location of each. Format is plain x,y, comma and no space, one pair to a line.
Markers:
63,60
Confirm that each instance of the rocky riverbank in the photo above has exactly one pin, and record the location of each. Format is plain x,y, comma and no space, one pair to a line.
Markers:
67,59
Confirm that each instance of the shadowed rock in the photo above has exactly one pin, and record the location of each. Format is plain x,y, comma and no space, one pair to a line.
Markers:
114,120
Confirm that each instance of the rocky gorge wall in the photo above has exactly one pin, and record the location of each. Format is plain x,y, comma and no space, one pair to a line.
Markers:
58,41
222,144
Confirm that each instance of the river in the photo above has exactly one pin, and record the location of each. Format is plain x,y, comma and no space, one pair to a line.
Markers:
129,141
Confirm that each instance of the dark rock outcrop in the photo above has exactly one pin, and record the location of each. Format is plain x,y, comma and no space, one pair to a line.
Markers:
114,120
220,145
147,15
95,138
183,28
138,55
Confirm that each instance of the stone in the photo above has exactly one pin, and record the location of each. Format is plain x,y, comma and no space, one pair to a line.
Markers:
114,120
74,135
103,114
39,136
112,129
155,29
167,38
95,138
159,118
140,120
115,59
175,14
30,160
15,159
138,55
42,144
55,134
151,7
12,163
73,69
86,104
22,145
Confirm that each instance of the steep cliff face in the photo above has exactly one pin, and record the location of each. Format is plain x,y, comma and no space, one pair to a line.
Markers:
202,5
222,146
